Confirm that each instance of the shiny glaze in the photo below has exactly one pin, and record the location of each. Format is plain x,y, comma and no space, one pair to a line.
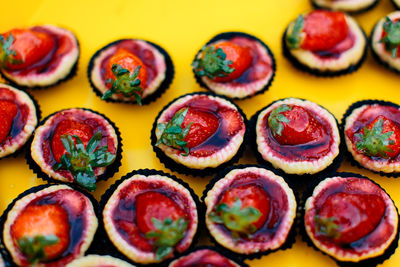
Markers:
339,49
203,258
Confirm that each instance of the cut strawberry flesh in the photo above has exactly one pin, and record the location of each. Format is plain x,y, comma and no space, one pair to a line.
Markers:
8,111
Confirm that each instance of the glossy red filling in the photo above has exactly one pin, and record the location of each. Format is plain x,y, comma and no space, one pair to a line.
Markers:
63,46
203,258
340,48
20,119
144,54
368,116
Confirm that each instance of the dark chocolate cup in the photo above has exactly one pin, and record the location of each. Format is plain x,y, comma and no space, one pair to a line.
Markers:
355,12
230,35
297,64
348,112
174,166
395,5
3,217
291,238
106,246
368,262
169,75
296,179
110,170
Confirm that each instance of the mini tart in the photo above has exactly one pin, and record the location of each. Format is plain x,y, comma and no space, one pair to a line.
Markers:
359,115
41,157
61,66
276,232
78,228
120,213
24,122
374,235
326,63
157,61
217,152
98,261
297,159
255,80
350,6
378,48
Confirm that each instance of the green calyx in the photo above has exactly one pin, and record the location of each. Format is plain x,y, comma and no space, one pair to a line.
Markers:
172,133
80,161
327,227
276,118
373,142
392,38
125,84
294,37
212,63
33,247
6,53
237,219
167,234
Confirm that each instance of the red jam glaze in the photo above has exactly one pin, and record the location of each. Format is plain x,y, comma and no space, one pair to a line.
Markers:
309,151
278,205
340,48
368,116
94,124
74,203
124,213
19,120
352,213
144,54
203,258
222,135
63,45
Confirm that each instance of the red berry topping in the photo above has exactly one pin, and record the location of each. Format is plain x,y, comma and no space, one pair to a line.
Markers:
21,48
42,232
294,125
391,36
8,111
235,121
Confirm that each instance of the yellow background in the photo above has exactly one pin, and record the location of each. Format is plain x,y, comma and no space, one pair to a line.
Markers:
182,27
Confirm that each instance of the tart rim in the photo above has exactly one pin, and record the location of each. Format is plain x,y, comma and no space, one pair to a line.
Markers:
351,8
94,259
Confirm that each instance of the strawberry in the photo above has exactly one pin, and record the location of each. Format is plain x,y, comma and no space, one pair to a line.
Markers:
380,138
243,209
125,74
42,231
294,125
135,236
234,121
8,111
391,36
21,48
320,30
223,62
346,218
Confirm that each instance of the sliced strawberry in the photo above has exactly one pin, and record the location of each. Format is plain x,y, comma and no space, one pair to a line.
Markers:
27,48
233,121
69,127
294,125
44,220
8,111
135,236
347,218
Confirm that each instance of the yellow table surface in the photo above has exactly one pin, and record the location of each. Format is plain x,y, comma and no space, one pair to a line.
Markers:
182,27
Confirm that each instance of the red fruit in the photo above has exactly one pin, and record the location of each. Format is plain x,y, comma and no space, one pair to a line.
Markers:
8,111
155,205
128,61
250,196
323,30
233,119
30,47
203,125
69,127
356,215
44,220
135,237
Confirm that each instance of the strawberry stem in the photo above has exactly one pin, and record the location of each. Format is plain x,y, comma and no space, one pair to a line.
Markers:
33,247
392,38
6,53
172,133
276,118
294,37
212,63
125,84
327,227
167,234
80,161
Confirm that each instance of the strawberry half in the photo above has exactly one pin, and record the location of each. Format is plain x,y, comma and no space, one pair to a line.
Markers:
294,125
234,121
45,229
223,62
21,48
346,218
8,111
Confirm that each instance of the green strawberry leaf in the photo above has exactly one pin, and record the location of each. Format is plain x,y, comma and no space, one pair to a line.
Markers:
392,37
6,53
33,247
276,118
327,227
294,37
212,63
